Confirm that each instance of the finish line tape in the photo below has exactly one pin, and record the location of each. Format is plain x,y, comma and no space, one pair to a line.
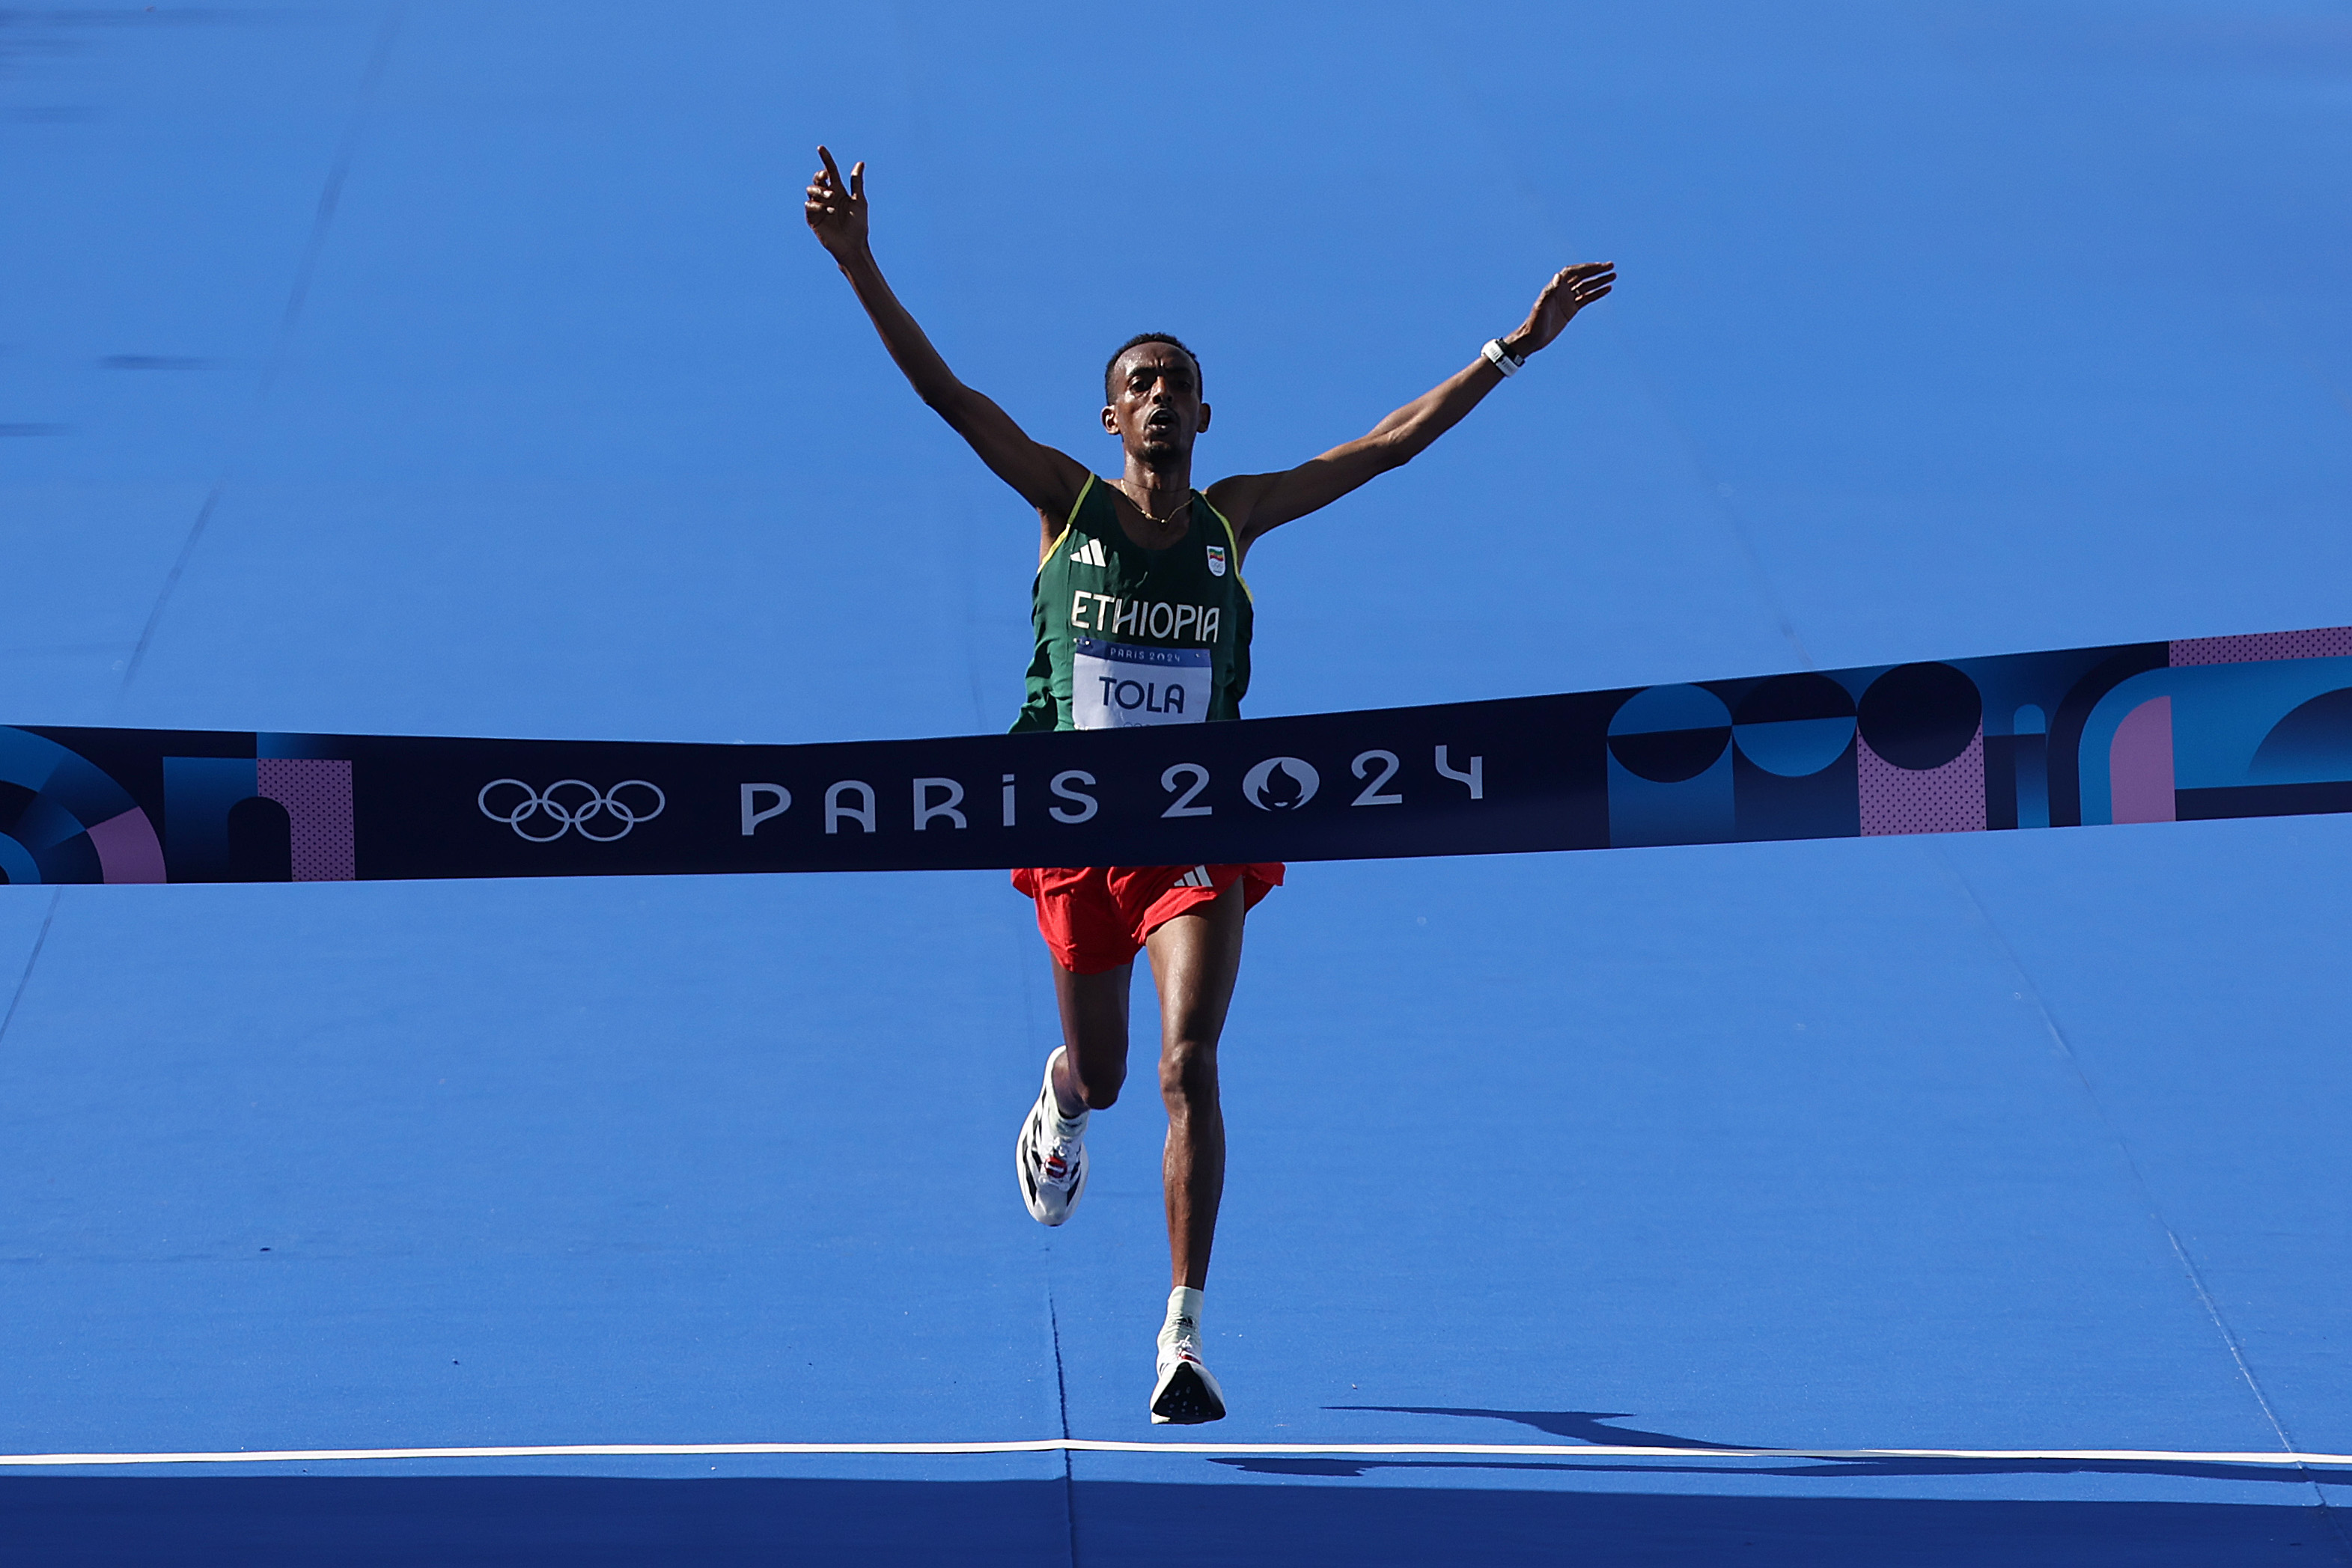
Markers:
1233,1450
2218,727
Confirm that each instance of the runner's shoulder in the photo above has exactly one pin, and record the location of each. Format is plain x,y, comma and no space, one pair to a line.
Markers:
1236,496
1056,522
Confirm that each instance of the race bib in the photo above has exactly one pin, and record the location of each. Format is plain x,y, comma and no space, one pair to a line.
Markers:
1113,685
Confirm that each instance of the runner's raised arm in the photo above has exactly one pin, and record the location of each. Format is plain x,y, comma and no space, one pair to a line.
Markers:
1047,479
1258,502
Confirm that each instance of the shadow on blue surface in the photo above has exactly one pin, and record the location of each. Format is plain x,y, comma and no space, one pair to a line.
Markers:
258,1521
1591,1427
1577,1426
1814,1469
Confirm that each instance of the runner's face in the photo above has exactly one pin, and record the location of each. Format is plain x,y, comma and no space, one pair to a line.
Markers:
1159,409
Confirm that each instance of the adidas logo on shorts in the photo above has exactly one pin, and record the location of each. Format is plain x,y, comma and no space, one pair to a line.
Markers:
1197,877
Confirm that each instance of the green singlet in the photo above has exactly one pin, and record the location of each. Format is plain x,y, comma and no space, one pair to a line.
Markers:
1127,635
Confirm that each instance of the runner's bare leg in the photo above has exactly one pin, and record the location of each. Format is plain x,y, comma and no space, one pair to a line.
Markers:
1094,1029
1195,959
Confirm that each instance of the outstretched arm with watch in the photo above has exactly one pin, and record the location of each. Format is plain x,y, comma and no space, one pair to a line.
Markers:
1255,503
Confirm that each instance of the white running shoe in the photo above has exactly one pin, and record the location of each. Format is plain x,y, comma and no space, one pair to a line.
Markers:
1051,1163
1186,1395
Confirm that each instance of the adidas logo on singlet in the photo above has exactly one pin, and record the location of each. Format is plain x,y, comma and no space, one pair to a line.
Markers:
1089,554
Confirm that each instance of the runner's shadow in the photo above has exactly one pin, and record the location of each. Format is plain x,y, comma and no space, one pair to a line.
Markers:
1577,1425
1589,1426
1806,1469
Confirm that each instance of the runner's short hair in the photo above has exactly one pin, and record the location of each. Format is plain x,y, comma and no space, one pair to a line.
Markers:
1110,390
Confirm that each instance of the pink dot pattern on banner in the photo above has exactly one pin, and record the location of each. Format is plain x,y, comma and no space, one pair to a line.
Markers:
2327,643
317,795
1946,800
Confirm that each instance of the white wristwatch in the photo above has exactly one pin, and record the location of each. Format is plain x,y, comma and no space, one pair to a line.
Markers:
1501,358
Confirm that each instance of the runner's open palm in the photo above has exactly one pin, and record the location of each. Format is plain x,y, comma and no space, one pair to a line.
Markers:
836,208
1571,288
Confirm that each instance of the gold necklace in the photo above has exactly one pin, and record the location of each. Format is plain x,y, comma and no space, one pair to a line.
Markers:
1175,512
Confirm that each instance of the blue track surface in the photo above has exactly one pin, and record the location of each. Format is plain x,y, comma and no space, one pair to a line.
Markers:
463,370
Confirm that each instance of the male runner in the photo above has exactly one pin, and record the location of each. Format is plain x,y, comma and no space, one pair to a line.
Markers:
1142,617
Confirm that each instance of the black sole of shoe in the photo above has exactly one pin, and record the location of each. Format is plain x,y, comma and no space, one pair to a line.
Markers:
1186,1401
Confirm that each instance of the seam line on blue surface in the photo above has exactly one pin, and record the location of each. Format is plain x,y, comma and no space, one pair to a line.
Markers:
41,940
330,197
2196,1278
1062,1405
1718,495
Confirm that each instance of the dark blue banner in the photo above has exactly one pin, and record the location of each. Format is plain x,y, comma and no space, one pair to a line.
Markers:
2224,727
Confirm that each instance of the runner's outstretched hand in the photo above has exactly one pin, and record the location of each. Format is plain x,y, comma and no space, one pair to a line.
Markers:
836,210
1254,503
1571,288
1048,480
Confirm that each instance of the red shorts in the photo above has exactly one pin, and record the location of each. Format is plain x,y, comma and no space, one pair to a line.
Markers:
1095,917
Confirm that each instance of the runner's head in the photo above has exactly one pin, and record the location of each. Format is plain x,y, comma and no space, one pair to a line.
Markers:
1152,393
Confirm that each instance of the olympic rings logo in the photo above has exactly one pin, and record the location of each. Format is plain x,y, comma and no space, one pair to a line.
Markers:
571,805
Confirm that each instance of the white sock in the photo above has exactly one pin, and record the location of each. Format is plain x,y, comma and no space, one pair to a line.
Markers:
1183,1312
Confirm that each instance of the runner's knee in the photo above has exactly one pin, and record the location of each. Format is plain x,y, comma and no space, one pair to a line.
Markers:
1099,1086
1188,1072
